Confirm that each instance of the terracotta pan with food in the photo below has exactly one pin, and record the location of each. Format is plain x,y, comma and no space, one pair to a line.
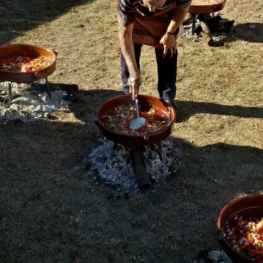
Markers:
206,6
33,53
146,103
246,207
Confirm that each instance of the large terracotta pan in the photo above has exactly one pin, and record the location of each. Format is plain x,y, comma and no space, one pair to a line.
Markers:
246,206
161,109
7,51
206,6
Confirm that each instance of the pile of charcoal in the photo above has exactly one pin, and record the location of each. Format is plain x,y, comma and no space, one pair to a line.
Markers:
111,163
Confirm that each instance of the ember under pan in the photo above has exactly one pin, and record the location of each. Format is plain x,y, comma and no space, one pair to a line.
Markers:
247,206
161,108
8,51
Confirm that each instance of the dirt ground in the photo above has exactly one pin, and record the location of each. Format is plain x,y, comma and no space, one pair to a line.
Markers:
51,211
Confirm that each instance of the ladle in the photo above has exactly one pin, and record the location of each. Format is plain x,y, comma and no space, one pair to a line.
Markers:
139,122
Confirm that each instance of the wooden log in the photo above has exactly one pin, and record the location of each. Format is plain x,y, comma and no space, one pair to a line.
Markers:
206,32
215,24
142,177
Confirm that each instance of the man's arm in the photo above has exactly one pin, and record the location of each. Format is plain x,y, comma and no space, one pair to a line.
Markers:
127,48
178,19
169,39
182,7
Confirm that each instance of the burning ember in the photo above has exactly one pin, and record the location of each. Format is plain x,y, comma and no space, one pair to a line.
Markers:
111,163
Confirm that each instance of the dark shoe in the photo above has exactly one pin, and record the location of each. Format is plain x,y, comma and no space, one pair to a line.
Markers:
174,105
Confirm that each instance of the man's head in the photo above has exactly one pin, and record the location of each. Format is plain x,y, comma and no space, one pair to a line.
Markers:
153,4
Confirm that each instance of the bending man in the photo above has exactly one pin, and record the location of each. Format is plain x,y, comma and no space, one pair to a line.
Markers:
154,23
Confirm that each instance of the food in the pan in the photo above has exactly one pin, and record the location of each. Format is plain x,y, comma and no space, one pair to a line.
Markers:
246,237
24,63
118,119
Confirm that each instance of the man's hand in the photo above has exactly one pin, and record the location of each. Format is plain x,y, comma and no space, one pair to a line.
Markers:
134,83
169,44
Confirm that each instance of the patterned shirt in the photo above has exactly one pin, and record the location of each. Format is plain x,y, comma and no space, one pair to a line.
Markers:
127,8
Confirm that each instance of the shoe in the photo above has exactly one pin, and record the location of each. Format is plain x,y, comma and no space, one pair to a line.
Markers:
174,105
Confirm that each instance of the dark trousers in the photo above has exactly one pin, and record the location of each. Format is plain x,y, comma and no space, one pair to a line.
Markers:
166,68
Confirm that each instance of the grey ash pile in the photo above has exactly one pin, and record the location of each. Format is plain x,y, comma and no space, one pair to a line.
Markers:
212,256
29,102
111,163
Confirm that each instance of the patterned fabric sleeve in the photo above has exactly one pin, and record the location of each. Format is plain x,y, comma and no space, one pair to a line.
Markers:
126,11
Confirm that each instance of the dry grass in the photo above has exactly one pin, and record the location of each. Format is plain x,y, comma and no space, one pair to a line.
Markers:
51,212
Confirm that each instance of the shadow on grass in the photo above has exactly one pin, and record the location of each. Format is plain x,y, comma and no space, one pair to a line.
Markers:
248,32
17,17
190,108
51,210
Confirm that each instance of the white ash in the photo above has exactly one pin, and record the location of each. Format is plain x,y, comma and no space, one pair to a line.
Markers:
28,105
188,32
213,256
187,29
112,164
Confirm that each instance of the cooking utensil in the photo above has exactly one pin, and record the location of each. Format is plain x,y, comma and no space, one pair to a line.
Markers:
7,51
146,102
139,122
246,206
